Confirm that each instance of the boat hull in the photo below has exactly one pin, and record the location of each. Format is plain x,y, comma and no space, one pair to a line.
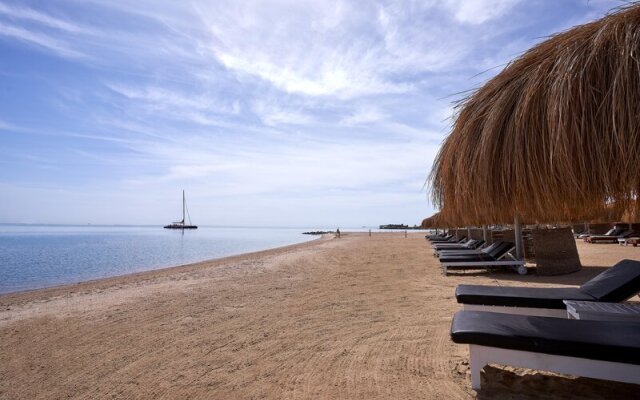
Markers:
172,226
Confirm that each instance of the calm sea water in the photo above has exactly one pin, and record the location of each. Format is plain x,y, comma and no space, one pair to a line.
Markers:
41,256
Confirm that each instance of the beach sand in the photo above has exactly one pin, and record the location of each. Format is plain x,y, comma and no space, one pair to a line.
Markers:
354,318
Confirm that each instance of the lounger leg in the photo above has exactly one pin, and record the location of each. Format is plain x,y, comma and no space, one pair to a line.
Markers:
476,363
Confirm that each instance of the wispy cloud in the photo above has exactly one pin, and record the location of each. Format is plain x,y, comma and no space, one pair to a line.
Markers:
24,13
46,42
364,115
272,114
162,99
479,11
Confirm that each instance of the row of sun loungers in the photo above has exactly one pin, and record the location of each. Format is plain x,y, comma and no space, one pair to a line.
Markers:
528,327
469,255
516,326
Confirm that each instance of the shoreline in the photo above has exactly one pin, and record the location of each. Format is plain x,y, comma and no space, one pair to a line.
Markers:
93,284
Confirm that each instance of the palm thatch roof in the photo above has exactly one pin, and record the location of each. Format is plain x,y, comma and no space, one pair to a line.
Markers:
425,224
432,222
555,136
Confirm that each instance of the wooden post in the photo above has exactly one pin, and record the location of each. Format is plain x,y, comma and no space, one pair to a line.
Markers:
518,235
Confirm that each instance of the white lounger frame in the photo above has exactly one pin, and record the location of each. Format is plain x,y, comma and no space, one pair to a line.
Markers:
539,312
613,371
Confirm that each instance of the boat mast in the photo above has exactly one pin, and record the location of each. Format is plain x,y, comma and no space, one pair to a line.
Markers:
183,207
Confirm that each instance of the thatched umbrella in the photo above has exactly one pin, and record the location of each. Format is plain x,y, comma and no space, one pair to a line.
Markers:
432,222
555,136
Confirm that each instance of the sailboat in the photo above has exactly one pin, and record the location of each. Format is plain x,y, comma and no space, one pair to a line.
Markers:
181,224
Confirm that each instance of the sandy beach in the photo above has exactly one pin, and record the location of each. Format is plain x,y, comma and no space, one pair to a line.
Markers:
352,318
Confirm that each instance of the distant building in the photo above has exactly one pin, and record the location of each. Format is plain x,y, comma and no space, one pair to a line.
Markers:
394,226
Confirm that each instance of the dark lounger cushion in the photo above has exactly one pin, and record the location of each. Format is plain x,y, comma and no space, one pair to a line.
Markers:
470,245
466,258
518,296
617,283
464,244
489,254
454,247
615,341
450,239
486,250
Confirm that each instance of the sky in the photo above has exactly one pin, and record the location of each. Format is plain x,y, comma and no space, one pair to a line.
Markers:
267,113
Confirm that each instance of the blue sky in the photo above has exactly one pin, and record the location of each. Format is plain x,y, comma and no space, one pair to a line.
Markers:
294,113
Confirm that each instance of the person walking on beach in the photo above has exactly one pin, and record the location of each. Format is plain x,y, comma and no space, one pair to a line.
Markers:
338,232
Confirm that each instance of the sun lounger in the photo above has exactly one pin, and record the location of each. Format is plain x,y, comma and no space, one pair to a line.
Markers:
448,238
596,349
608,238
457,252
616,284
468,248
452,240
440,244
470,244
495,257
610,232
634,241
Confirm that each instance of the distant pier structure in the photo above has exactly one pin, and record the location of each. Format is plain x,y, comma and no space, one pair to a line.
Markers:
398,226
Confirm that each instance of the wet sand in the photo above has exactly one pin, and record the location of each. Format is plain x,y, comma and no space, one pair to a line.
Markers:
356,318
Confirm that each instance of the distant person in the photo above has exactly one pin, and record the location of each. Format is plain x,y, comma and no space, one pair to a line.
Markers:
338,232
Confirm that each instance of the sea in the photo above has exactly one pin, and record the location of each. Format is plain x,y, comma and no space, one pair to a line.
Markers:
38,256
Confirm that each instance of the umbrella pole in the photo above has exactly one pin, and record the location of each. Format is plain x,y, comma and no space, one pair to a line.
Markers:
484,233
469,232
518,235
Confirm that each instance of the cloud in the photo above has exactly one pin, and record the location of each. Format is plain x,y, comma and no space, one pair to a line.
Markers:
273,114
476,12
56,46
337,49
164,99
364,115
29,14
